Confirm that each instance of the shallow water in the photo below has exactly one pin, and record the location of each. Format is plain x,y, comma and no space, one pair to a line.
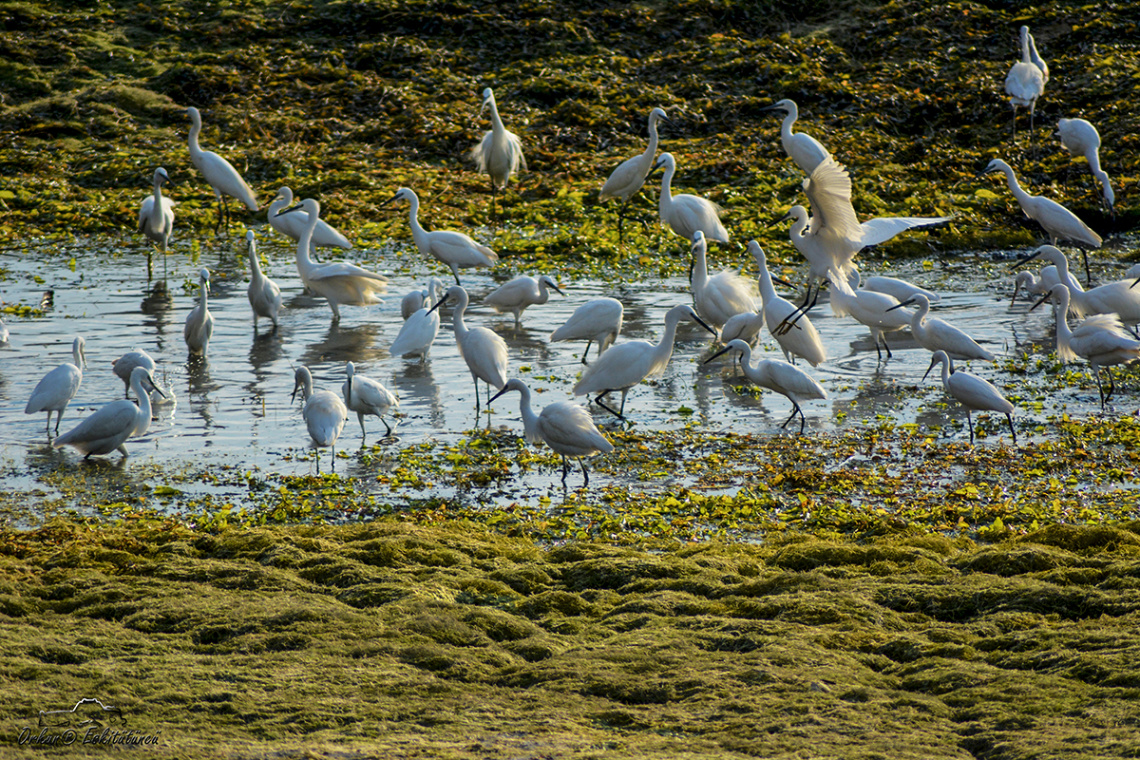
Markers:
234,408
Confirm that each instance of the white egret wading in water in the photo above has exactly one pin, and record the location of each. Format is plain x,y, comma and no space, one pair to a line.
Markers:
596,321
869,308
200,322
420,327
108,428
934,334
974,393
364,395
293,225
499,154
515,296
1026,80
722,296
484,351
801,339
338,282
55,390
1080,138
805,150
156,220
566,427
629,177
125,364
684,213
1118,298
263,293
789,381
219,173
627,364
455,249
324,413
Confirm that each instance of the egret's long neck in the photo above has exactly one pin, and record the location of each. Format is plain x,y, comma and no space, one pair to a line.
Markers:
414,219
700,266
1064,332
496,122
799,225
1025,57
144,407
529,418
254,264
945,372
457,323
205,295
303,243
666,199
651,149
787,124
195,129
77,356
919,315
664,349
1014,185
767,289
158,193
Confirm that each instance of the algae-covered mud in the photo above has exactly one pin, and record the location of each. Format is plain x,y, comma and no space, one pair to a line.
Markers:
875,589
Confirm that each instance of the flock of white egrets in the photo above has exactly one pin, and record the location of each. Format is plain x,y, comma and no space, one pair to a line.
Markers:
723,303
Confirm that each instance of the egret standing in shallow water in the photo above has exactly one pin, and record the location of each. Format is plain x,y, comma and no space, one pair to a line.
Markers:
324,413
156,219
629,177
934,334
219,173
200,322
801,339
293,225
112,424
684,213
263,293
596,321
364,395
484,351
722,296
1058,222
1025,82
455,249
789,381
972,392
565,427
337,281
499,154
801,147
869,308
124,366
1117,298
420,327
1080,138
627,364
55,390
523,291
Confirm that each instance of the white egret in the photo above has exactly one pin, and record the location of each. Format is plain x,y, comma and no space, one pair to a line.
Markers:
5,336
1101,340
338,282
499,154
264,294
833,235
596,321
801,147
684,213
124,366
1049,277
722,296
892,286
629,177
420,327
744,326
786,379
974,393
293,225
1026,80
626,364
484,351
801,339
1117,297
1058,222
156,219
55,390
324,413
870,308
521,292
455,249
564,426
219,173
200,322
412,302
112,424
1080,138
364,395
934,334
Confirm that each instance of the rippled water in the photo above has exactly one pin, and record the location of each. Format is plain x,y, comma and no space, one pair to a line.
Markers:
235,408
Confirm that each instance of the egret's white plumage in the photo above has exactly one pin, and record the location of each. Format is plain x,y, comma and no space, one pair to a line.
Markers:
455,249
263,293
156,217
870,308
338,282
786,379
629,177
744,326
124,366
364,395
521,292
324,413
420,327
934,334
484,351
805,150
293,225
55,390
684,213
200,322
802,339
1037,285
5,336
626,364
972,392
720,297
1101,340
1118,297
892,286
566,427
596,321
412,302
499,154
1026,79
219,173
112,424
1080,138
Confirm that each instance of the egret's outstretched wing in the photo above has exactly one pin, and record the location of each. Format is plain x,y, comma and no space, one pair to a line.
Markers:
882,229
829,190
